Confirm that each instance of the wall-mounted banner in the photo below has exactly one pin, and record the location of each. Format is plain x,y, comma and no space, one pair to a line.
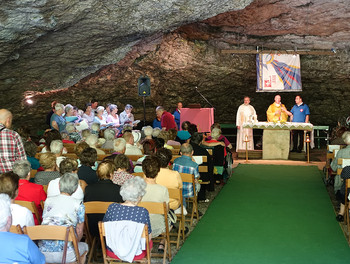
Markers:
278,72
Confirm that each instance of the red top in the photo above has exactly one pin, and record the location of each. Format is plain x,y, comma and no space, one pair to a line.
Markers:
167,120
31,192
65,141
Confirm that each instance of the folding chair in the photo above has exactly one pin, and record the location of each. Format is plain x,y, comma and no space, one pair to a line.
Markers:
16,229
177,195
109,260
32,207
161,209
347,186
93,208
51,232
189,178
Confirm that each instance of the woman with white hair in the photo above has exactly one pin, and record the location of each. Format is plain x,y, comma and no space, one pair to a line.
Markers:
147,130
99,118
109,135
64,210
92,141
57,121
113,118
69,114
132,192
72,132
126,117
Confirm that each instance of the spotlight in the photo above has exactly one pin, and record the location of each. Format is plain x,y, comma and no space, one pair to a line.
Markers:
29,101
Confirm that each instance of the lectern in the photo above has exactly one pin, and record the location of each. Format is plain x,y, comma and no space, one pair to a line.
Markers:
202,117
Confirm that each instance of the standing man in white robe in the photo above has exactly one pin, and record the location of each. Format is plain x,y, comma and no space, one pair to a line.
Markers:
244,112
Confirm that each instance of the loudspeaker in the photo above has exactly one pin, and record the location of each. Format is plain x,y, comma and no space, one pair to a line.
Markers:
144,86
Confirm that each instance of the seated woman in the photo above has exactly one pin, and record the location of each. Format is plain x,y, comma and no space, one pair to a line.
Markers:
88,158
155,193
92,141
166,177
165,136
57,122
69,114
30,148
50,136
109,135
222,140
72,133
172,133
64,210
9,182
104,190
126,117
89,115
99,118
113,119
67,165
132,192
183,135
122,166
149,147
48,162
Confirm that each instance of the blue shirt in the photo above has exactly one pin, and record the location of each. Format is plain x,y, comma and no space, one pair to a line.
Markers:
20,249
34,162
183,134
156,123
185,164
177,118
300,112
61,122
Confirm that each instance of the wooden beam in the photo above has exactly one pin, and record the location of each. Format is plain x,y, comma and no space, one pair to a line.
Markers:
301,52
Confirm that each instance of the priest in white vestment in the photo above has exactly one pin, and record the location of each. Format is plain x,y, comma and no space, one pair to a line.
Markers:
244,113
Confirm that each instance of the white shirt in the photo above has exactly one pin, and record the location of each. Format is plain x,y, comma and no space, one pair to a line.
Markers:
132,150
54,189
21,216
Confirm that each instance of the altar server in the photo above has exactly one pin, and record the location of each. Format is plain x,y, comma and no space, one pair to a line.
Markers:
244,113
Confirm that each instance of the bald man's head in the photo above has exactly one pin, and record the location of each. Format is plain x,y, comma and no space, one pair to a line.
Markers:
6,118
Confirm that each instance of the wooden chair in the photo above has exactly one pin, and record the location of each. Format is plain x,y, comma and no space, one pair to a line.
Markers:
101,157
175,151
139,174
70,155
32,207
331,151
93,208
69,147
33,173
347,207
134,157
176,146
51,232
210,151
177,195
108,260
161,209
189,178
16,229
45,188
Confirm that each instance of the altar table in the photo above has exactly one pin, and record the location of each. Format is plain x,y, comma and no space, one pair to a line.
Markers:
276,137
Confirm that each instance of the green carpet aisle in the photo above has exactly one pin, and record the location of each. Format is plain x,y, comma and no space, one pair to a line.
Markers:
268,214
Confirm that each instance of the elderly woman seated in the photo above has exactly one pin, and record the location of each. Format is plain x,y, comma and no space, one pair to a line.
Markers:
92,141
100,118
147,131
172,133
56,147
132,192
48,162
109,135
57,122
71,166
122,166
64,210
72,133
155,193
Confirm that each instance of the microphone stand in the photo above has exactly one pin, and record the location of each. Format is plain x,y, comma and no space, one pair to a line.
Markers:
204,98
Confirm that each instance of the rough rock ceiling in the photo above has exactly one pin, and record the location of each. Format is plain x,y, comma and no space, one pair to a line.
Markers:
45,46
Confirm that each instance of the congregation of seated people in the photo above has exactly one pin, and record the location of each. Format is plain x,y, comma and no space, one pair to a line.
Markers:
109,161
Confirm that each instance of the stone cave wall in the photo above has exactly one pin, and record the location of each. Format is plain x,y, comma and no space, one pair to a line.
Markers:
177,65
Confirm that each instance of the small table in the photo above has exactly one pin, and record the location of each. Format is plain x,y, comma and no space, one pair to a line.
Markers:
276,137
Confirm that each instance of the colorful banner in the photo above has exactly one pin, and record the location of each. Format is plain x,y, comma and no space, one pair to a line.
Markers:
278,72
